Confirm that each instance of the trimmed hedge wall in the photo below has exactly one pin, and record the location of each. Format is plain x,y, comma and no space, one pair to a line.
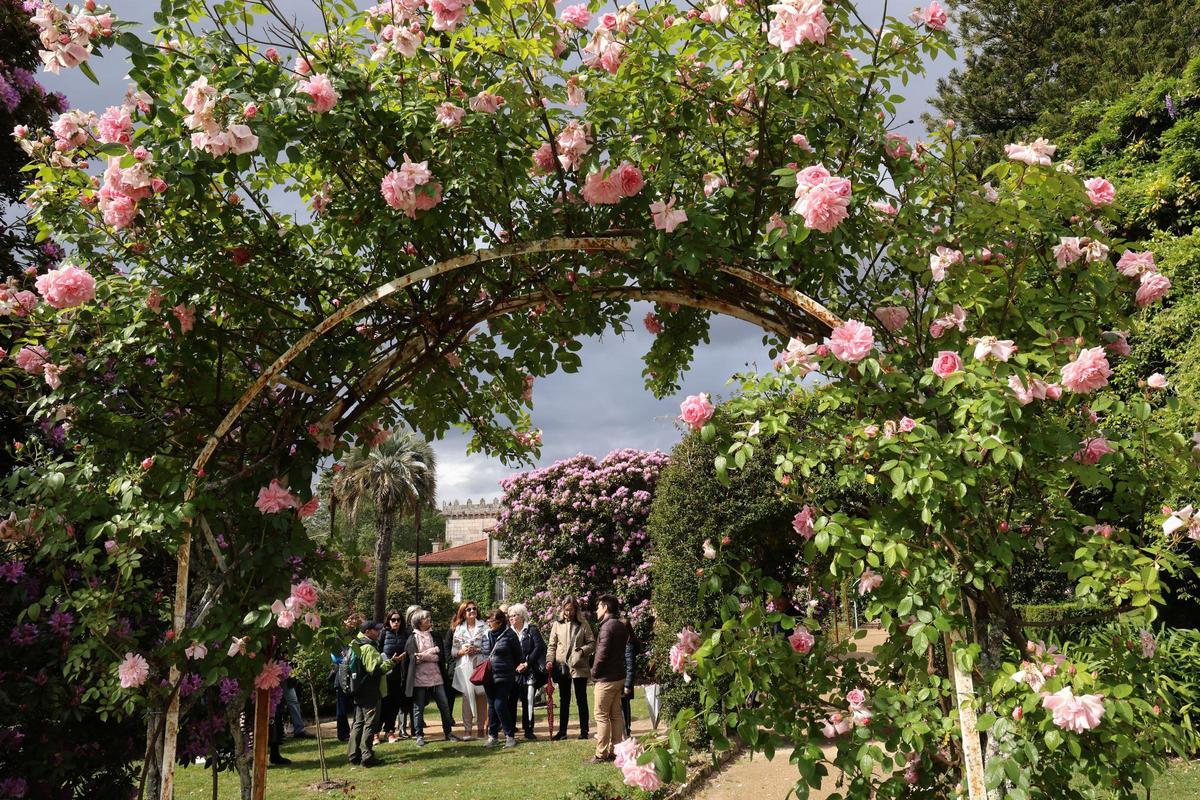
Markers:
479,584
439,574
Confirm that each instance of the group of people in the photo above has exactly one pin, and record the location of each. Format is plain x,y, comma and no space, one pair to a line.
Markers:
390,672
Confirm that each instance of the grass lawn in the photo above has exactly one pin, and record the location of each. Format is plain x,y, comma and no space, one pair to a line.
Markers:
541,770
1181,782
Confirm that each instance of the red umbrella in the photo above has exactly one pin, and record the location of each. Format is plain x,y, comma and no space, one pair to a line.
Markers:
550,705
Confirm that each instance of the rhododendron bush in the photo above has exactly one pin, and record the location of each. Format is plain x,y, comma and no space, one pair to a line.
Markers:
577,528
259,178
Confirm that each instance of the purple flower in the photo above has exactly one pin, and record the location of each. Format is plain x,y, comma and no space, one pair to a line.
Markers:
61,622
9,96
228,689
13,787
23,635
12,571
1170,107
57,102
190,683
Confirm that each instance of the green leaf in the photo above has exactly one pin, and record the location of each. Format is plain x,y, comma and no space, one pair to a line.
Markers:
87,71
1053,739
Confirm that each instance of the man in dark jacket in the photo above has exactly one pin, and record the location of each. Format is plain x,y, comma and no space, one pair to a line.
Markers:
372,666
608,671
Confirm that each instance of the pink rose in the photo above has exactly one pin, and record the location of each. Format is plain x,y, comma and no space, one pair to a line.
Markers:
1116,342
821,198
835,725
1037,153
601,188
652,324
305,594
629,178
308,509
485,103
696,410
871,431
1100,191
1092,450
1088,372
148,462
868,582
320,89
907,424
856,699
1157,381
275,498
241,139
688,641
577,15
934,16
186,316
946,364
115,126
991,347
666,217
32,358
896,145
851,342
1154,287
802,523
893,318
1073,713
133,671
943,258
270,677
801,640
797,21
449,115
196,651
1132,264
67,286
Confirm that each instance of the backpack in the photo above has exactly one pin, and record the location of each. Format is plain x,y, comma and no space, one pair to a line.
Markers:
351,675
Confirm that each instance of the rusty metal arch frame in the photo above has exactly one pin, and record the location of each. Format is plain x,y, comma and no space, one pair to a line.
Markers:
274,374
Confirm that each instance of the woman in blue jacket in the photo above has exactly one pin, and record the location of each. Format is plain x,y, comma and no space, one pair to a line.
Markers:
502,646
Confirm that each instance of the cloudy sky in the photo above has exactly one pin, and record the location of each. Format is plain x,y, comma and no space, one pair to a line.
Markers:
602,407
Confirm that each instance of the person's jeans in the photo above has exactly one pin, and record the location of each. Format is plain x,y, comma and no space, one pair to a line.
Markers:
502,709
421,696
293,703
564,700
361,732
345,710
389,707
608,716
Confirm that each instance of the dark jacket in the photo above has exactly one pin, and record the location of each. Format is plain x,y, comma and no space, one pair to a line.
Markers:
631,653
392,642
533,650
448,663
504,648
609,664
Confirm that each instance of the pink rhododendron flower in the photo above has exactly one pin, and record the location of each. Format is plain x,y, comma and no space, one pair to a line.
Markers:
797,21
1154,287
133,671
32,358
449,115
577,15
1036,153
934,16
1157,381
485,103
801,640
666,217
67,286
893,318
991,347
270,677
1132,264
196,651
802,523
943,258
1100,191
1073,713
1092,450
851,342
696,410
822,199
320,89
868,582
275,498
1088,372
115,126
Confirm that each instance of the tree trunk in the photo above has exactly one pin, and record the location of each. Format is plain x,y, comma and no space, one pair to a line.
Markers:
417,570
152,783
241,754
383,556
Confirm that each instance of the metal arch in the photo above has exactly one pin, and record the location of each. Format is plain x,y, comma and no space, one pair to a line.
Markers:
412,349
272,375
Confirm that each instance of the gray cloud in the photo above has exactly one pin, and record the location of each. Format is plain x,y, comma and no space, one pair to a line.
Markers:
602,407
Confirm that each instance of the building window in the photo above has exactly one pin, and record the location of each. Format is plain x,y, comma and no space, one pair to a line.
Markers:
456,589
500,591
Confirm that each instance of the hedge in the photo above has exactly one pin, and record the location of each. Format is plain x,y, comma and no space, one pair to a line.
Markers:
479,584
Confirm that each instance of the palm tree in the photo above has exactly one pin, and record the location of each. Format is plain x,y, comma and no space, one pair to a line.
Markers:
398,478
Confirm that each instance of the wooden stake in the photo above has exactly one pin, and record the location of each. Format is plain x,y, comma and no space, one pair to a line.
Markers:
964,689
262,721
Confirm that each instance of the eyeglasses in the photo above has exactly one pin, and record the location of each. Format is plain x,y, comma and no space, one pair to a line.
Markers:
394,619
475,610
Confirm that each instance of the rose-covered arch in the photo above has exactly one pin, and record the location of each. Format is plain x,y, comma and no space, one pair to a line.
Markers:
422,169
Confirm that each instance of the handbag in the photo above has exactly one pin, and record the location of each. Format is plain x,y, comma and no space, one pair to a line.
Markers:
482,674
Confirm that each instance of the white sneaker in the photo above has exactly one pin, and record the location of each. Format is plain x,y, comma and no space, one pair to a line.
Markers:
510,741
491,742
466,737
